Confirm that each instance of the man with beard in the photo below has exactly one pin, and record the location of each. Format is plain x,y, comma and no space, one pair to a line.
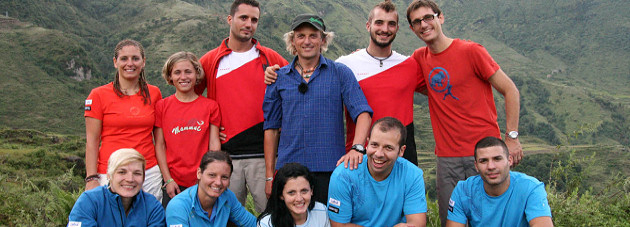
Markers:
378,68
234,78
498,196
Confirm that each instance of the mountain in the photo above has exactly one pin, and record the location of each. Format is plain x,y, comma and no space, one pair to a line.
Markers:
569,58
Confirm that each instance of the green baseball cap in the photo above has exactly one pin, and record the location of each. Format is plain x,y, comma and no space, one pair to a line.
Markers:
312,19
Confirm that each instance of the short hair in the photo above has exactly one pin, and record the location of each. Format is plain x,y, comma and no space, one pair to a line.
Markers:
215,156
123,157
388,123
386,6
326,36
280,215
167,70
422,3
491,141
237,3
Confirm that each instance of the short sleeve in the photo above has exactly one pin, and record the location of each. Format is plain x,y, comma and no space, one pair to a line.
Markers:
456,209
215,113
415,199
421,84
537,204
159,113
272,107
483,63
265,221
83,212
353,97
339,196
93,105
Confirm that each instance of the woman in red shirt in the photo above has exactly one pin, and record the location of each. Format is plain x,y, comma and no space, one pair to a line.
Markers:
121,115
187,125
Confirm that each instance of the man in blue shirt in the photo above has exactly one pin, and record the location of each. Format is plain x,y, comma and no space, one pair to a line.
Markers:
498,196
386,190
307,102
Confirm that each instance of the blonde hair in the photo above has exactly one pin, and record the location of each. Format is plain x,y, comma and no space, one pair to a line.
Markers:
178,57
326,36
123,157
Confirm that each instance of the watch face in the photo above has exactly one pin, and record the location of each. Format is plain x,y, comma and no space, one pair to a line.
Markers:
513,134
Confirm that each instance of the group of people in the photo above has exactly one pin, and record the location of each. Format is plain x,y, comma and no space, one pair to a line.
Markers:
200,156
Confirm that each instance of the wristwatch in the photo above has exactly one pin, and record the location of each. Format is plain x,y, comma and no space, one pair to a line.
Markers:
269,179
359,147
512,134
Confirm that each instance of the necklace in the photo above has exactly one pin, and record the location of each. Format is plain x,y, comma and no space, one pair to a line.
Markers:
380,59
306,73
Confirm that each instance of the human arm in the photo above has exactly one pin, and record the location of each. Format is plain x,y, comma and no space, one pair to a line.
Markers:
541,222
362,128
271,140
215,142
156,216
177,213
337,224
270,74
450,223
414,220
83,212
93,129
504,85
238,214
172,188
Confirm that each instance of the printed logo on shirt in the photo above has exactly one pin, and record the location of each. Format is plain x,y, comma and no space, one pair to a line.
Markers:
334,202
88,108
439,81
451,204
74,224
191,127
88,102
178,225
333,209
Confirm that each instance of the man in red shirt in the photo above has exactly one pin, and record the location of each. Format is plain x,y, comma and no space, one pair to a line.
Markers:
234,78
459,76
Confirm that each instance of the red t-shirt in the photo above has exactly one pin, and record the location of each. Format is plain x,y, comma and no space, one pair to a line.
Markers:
388,87
127,122
186,129
461,103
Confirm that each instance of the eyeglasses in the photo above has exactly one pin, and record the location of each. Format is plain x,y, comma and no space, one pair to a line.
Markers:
427,19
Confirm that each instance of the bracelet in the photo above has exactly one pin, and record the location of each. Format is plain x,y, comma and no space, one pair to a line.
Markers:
92,177
269,179
167,182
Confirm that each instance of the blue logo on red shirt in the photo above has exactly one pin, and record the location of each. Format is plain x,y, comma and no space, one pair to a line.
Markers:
439,81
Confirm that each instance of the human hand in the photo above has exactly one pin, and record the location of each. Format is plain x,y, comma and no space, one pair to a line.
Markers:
516,151
270,74
352,159
222,136
172,189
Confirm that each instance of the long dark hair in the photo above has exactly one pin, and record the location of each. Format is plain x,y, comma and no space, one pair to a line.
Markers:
276,208
142,81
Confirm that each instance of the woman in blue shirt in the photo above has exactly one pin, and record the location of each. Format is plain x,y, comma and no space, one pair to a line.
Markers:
122,202
209,203
291,202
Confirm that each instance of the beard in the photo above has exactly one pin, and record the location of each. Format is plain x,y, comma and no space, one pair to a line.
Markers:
382,44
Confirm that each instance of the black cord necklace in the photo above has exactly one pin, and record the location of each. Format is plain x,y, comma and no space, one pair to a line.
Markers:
380,59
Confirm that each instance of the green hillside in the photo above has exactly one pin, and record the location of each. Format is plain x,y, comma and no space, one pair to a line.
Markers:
569,58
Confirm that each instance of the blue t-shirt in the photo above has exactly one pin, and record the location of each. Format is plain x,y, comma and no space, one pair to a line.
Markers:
524,200
185,210
312,122
101,207
355,197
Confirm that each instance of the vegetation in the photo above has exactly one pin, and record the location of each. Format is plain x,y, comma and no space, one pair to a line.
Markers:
42,175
